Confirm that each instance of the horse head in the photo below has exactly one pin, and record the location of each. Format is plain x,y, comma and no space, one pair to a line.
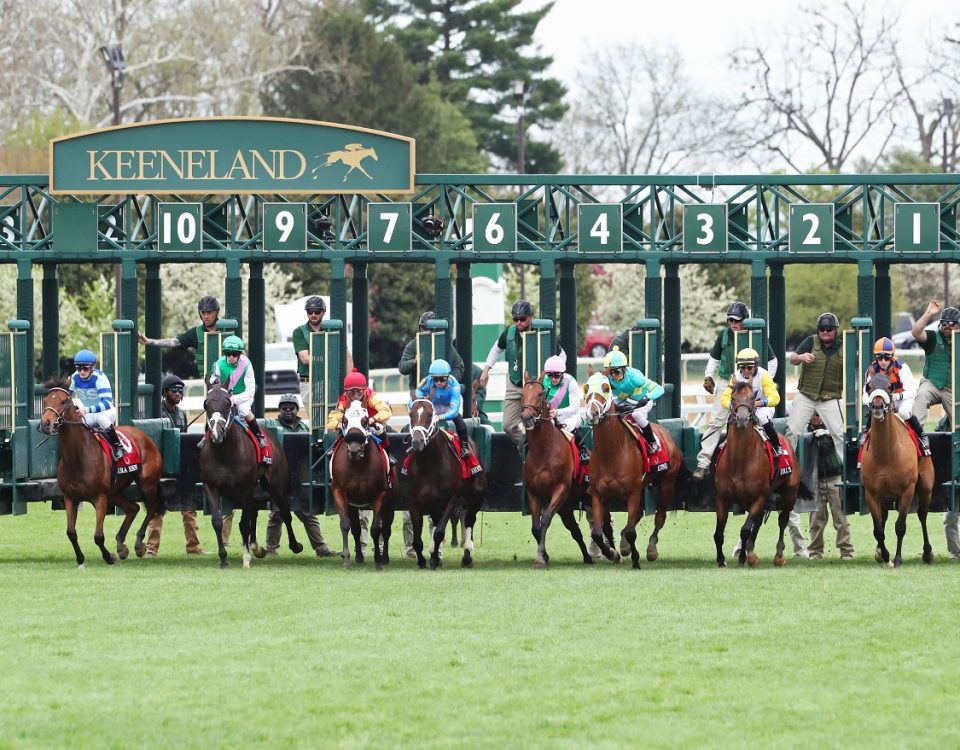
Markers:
533,402
58,409
879,399
743,407
423,424
598,395
355,428
217,406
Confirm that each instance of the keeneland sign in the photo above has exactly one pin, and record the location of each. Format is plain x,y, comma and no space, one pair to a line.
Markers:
232,155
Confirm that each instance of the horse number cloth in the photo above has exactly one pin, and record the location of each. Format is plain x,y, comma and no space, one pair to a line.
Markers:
130,463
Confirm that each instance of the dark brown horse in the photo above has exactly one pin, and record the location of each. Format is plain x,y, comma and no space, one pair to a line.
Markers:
616,472
548,473
360,481
743,477
434,485
84,473
891,468
229,468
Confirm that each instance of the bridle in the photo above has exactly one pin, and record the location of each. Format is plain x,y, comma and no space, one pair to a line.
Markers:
429,431
215,419
61,419
538,408
743,412
352,423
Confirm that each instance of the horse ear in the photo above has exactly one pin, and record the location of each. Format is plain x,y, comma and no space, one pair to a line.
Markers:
585,389
589,370
526,375
543,377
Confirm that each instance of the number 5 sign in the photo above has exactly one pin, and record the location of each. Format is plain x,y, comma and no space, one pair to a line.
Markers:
705,228
495,227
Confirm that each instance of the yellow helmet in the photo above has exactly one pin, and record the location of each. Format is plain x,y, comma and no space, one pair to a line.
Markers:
615,358
748,357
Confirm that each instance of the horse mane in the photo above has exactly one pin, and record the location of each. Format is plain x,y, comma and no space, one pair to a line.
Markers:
56,381
741,386
879,382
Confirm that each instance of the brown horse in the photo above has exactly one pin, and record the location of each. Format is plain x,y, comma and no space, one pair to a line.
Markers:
890,468
616,472
229,468
548,473
434,485
85,473
360,481
743,477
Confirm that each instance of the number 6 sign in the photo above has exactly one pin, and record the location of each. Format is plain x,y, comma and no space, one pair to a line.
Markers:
495,227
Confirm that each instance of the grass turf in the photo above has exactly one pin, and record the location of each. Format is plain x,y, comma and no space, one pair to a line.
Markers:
174,652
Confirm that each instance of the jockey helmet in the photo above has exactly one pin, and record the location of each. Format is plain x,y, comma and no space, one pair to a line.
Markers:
232,344
288,398
428,315
615,358
554,364
85,357
315,303
208,304
885,346
521,309
748,357
828,320
738,311
439,368
169,381
950,315
353,380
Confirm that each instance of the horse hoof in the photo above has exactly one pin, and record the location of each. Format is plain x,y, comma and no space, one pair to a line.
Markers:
123,552
296,548
878,555
897,562
928,558
379,565
721,564
616,558
110,559
259,552
752,559
81,566
890,564
540,564
224,564
625,549
434,563
779,561
636,564
652,554
347,563
587,560
422,564
246,565
466,562
140,549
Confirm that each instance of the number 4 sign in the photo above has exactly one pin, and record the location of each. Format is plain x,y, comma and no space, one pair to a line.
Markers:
600,227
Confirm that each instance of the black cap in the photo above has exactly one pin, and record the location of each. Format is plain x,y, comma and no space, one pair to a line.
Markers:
315,303
522,309
208,304
738,310
828,320
169,381
950,315
428,315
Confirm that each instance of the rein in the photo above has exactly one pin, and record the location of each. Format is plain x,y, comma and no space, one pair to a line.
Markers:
60,421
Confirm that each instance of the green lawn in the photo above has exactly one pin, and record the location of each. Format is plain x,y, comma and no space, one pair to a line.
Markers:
174,652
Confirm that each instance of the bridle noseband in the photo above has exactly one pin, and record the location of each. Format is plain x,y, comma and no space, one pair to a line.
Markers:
737,408
539,408
61,420
426,432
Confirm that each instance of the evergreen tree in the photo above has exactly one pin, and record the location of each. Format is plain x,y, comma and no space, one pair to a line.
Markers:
476,50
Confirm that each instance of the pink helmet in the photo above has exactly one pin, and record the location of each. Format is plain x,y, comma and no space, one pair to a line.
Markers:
554,364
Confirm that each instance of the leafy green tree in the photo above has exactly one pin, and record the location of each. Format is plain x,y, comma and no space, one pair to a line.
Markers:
476,50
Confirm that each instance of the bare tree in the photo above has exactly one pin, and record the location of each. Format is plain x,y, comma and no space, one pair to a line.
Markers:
826,86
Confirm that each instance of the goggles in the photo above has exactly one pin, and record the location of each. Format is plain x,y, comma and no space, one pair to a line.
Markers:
231,354
618,370
556,374
826,329
84,368
440,379
884,355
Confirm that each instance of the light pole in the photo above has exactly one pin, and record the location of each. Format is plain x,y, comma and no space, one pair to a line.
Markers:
116,66
946,115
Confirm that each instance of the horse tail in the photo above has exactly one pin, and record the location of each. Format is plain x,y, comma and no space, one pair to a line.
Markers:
804,492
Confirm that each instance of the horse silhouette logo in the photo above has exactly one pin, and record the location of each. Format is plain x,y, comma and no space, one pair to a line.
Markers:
351,155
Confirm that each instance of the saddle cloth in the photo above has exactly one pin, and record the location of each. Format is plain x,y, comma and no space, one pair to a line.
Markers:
264,455
581,468
780,466
653,463
390,474
469,468
130,463
913,436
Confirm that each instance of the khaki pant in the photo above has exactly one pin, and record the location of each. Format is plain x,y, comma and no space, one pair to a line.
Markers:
305,394
828,503
512,409
408,533
310,524
803,408
155,527
951,528
718,420
928,395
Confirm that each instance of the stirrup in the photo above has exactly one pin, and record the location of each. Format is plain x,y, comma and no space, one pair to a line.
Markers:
262,441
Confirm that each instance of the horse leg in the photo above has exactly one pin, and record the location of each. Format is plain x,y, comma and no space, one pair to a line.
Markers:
659,519
340,501
70,506
468,519
416,521
101,504
258,551
376,530
782,520
213,503
130,510
922,508
355,530
533,504
569,519
454,520
245,536
439,532
557,500
901,526
600,522
879,522
629,532
722,512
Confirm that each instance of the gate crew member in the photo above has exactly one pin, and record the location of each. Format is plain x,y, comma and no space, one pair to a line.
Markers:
720,364
315,308
92,388
821,383
209,310
235,373
633,394
903,387
443,391
765,393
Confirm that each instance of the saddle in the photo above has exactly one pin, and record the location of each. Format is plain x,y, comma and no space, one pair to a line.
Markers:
131,461
913,436
264,455
581,468
653,463
780,466
469,468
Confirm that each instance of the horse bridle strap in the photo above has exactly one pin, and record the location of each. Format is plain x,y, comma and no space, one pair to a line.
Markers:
59,421
428,432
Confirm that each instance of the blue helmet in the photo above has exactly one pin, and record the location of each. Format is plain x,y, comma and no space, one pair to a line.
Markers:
84,357
439,367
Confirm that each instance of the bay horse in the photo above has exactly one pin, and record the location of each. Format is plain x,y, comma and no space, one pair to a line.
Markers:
229,468
434,485
616,472
85,473
890,468
548,473
360,481
743,477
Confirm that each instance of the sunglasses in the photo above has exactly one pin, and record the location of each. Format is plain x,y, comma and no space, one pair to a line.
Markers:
617,370
315,312
825,329
440,379
176,389
231,354
949,323
748,367
733,320
521,320
554,374
884,356
84,368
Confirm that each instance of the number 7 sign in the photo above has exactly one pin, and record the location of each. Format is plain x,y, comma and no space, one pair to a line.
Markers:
389,227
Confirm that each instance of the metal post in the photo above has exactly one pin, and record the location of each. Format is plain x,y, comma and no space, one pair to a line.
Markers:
548,297
671,339
777,331
865,293
361,314
50,306
153,325
338,310
882,302
568,315
464,323
25,312
256,302
233,293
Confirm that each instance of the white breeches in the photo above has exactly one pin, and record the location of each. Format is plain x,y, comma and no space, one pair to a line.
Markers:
905,408
101,420
640,415
243,404
570,423
764,414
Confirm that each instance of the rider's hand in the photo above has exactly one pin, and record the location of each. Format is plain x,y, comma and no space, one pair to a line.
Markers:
81,410
643,402
552,414
758,402
708,385
378,428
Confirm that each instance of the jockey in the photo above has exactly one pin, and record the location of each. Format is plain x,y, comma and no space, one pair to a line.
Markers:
235,373
903,386
564,398
765,393
633,393
441,388
91,388
355,389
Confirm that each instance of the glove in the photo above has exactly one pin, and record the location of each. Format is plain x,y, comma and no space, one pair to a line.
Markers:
820,433
709,385
643,402
377,428
626,405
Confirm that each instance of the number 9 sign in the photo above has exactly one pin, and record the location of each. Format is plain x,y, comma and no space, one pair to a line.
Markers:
284,227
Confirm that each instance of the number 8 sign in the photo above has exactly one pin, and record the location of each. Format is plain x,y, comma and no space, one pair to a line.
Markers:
495,227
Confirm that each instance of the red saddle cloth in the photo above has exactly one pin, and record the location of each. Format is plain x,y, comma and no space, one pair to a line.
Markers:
780,466
581,468
653,463
469,468
913,436
131,460
264,455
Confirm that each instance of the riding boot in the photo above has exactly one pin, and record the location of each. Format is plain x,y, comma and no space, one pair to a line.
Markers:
464,441
255,429
774,438
114,439
921,435
578,441
385,442
650,438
